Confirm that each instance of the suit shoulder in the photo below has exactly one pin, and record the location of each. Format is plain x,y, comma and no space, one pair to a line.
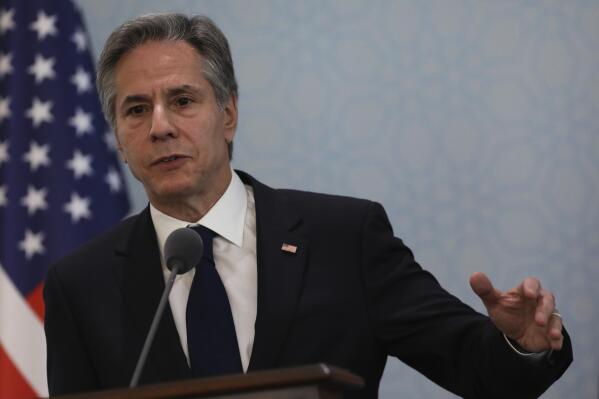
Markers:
329,205
308,201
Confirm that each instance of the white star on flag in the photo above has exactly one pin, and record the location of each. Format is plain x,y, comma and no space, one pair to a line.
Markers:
80,164
40,112
35,200
82,122
6,20
80,40
4,108
78,207
82,80
114,180
44,25
5,64
42,68
3,199
4,157
32,244
110,141
37,155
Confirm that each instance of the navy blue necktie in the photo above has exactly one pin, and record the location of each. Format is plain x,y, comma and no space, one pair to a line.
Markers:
211,337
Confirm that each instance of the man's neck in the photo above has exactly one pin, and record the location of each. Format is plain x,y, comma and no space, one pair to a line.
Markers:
192,208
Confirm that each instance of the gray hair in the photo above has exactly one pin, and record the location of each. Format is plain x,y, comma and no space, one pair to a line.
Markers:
198,31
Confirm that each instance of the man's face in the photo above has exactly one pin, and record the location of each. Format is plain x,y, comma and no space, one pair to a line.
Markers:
170,129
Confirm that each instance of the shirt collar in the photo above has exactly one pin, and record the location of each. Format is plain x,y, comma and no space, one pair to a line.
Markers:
226,217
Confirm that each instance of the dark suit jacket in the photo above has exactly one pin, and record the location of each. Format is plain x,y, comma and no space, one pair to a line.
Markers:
350,296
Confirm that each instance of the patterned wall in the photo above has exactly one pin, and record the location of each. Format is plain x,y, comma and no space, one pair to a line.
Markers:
474,122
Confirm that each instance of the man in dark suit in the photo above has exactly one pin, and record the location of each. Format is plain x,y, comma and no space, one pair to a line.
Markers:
307,277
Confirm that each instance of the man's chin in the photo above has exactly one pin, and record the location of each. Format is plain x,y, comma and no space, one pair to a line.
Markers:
171,191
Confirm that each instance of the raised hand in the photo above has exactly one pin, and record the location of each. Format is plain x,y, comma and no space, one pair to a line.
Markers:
526,314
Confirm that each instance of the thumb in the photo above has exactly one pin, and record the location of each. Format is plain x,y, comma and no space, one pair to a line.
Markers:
482,286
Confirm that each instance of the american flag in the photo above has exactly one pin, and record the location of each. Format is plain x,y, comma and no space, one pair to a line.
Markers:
60,180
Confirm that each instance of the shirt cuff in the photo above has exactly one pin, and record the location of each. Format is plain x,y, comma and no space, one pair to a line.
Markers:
533,356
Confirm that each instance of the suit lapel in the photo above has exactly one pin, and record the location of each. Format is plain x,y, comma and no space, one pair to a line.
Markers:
280,272
143,283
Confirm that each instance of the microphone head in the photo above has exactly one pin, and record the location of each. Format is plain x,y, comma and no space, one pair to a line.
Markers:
183,247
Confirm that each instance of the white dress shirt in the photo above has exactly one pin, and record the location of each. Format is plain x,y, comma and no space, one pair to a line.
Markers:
233,218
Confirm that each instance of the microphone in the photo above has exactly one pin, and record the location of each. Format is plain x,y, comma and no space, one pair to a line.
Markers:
183,249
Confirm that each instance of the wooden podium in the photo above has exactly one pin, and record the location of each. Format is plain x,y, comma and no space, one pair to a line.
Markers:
317,381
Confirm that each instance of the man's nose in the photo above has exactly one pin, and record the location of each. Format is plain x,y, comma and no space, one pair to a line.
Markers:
161,128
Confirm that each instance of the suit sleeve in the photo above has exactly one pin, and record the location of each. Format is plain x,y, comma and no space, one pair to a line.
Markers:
438,335
68,365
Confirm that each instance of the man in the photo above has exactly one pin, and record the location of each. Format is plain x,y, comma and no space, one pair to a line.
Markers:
308,277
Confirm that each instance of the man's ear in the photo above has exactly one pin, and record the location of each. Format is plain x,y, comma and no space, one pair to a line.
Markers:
230,123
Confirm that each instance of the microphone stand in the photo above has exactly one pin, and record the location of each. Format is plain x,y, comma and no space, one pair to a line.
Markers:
157,316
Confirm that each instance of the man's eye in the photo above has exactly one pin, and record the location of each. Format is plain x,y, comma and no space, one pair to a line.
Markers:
136,110
183,101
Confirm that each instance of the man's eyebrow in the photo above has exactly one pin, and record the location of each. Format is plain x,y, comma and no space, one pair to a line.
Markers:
185,89
134,98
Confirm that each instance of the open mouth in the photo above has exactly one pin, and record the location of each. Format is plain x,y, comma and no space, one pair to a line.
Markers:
168,159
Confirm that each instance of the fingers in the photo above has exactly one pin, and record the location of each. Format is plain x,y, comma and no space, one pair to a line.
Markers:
545,307
545,300
545,312
554,333
482,286
530,288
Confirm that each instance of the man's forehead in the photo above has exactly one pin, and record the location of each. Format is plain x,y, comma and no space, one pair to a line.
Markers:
167,90
164,65
155,51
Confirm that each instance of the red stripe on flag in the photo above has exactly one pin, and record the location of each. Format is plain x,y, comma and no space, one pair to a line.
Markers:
35,299
12,384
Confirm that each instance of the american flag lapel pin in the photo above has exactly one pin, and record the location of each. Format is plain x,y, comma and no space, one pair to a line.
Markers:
289,248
